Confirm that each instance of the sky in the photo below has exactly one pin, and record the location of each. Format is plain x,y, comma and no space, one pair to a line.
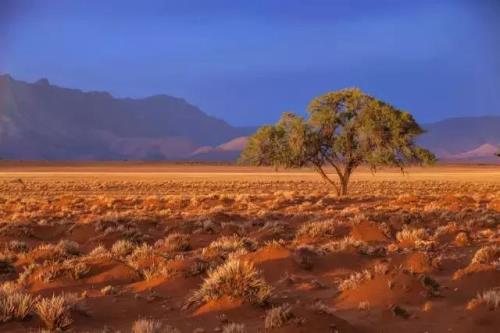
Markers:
248,61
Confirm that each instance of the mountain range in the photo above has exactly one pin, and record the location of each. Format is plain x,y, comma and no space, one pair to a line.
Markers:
41,121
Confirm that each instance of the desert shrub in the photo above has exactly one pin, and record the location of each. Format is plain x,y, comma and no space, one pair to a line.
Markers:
25,274
224,246
99,251
55,311
278,317
122,248
381,268
155,270
418,238
234,328
77,270
17,246
321,308
15,305
235,278
490,298
140,254
486,255
363,305
108,290
274,227
174,243
354,280
411,235
71,268
316,229
69,247
60,251
152,326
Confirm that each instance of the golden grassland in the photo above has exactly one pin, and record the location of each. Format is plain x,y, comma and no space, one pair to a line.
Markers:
153,247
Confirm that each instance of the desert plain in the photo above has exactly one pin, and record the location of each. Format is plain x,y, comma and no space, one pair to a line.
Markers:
154,247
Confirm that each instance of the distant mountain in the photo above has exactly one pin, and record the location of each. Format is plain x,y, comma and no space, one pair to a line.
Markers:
42,121
464,139
225,152
468,139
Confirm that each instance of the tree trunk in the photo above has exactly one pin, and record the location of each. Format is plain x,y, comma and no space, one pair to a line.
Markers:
344,182
343,185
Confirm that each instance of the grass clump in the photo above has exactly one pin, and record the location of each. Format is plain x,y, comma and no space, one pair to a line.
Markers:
15,305
152,326
234,328
174,242
122,248
490,298
486,255
55,311
278,317
353,281
235,278
316,229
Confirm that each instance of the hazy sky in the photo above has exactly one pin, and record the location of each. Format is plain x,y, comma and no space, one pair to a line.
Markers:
247,61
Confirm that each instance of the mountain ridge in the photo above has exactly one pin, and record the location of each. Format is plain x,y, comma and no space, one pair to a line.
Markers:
42,121
49,122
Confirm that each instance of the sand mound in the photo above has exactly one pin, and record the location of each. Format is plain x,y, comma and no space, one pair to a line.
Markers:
368,232
385,290
419,262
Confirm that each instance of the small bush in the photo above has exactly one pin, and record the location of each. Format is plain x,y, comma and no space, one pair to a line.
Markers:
224,246
122,248
15,305
174,243
235,278
411,235
490,298
486,255
152,326
316,229
353,281
55,311
278,317
17,246
321,308
234,328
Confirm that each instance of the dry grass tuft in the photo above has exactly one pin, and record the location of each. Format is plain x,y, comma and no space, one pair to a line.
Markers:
486,255
234,328
122,248
316,229
278,317
354,280
235,278
55,311
490,298
174,242
15,305
225,246
152,326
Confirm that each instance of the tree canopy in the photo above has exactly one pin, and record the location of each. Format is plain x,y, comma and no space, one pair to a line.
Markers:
344,130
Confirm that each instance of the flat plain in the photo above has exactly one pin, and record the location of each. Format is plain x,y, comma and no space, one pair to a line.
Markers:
132,247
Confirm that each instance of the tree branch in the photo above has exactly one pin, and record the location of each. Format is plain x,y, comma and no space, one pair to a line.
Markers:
325,177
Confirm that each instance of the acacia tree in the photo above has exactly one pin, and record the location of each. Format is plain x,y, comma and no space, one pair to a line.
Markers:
344,130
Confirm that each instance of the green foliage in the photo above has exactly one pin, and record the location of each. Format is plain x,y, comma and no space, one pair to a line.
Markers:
345,129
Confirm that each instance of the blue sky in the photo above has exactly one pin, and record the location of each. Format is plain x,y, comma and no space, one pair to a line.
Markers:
249,61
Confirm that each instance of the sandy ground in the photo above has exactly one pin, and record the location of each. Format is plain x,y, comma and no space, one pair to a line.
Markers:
80,170
225,248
